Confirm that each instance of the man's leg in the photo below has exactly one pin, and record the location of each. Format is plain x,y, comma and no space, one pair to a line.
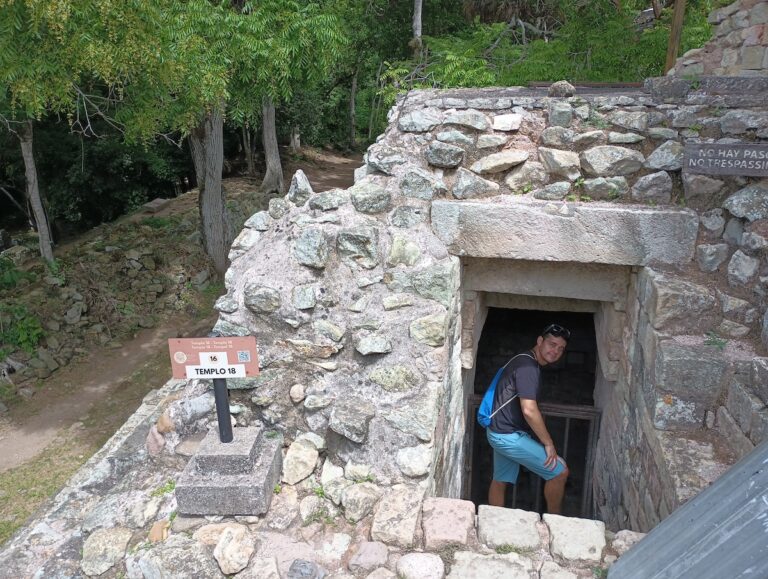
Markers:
554,489
496,493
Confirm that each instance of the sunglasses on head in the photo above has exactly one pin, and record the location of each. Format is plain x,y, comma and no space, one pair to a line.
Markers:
557,331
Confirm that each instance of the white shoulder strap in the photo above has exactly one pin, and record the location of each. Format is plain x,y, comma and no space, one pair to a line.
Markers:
515,396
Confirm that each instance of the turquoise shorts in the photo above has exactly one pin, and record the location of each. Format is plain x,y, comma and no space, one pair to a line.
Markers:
512,450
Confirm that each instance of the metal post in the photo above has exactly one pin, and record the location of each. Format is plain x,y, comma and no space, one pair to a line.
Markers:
221,393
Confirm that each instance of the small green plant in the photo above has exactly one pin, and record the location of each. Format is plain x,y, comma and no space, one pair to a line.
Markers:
578,183
597,121
319,492
278,489
319,515
697,127
168,487
507,549
527,188
570,197
599,573
19,328
713,339
172,516
362,479
271,434
157,222
9,275
585,198
694,80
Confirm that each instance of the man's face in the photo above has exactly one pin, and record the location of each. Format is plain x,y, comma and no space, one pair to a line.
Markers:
550,348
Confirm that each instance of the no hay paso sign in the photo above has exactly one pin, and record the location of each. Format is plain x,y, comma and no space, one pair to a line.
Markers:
224,357
749,160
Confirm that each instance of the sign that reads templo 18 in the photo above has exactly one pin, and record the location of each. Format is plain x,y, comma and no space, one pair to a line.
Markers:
726,159
223,357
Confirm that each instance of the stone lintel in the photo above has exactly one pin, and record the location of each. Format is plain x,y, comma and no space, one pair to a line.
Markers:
235,457
584,234
572,281
214,493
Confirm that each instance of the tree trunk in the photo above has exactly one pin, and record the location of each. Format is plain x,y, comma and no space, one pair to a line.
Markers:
675,34
416,40
250,158
352,97
295,140
273,179
656,9
207,145
33,192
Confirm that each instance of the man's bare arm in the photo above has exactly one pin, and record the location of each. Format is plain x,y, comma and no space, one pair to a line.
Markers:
535,420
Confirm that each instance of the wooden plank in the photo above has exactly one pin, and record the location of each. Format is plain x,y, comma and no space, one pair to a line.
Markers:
745,159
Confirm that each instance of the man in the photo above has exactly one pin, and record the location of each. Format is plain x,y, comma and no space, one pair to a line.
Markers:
517,416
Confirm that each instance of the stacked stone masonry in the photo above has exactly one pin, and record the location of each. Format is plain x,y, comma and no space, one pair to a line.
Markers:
738,46
367,305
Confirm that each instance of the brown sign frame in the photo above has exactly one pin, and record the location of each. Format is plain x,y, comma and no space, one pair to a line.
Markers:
240,357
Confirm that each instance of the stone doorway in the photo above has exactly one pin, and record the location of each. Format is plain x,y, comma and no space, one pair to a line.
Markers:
567,401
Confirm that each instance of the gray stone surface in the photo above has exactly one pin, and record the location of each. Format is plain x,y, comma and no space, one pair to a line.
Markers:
711,257
614,235
676,305
420,566
384,159
396,378
469,118
468,565
702,192
563,163
606,187
420,121
624,138
653,188
311,248
350,417
444,155
368,197
261,299
589,139
454,137
278,207
300,190
397,515
507,122
576,539
610,160
713,221
235,457
499,162
527,176
421,184
560,113
469,185
369,556
668,157
178,556
553,191
631,120
491,141
414,461
446,522
299,461
372,344
750,203
359,246
234,549
329,200
430,329
558,137
497,527
733,231
103,549
742,269
213,493
359,500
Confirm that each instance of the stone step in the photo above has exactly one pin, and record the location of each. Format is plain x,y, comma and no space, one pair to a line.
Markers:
216,485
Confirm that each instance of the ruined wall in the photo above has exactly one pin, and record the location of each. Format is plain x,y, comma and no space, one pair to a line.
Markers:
738,46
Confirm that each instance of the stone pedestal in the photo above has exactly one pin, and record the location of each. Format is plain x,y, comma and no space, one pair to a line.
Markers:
234,478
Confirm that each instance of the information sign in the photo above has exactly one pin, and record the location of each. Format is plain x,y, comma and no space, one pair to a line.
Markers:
221,357
746,159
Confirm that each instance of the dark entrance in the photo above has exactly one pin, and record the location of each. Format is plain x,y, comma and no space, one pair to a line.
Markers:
566,402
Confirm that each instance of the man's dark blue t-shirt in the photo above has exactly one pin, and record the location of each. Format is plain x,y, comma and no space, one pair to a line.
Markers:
521,377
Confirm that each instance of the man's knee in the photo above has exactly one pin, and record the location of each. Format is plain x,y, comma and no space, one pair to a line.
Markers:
563,475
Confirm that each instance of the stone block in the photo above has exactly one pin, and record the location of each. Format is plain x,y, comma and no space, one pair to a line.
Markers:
742,406
576,539
692,373
397,516
497,526
447,522
201,492
469,565
236,457
730,431
614,235
677,305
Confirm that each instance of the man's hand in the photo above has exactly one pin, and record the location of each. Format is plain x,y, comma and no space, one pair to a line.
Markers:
551,461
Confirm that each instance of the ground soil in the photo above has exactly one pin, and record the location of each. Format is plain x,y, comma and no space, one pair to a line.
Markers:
45,439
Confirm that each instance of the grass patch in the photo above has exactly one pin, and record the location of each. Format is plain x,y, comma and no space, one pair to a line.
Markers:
165,489
24,489
507,549
158,222
713,339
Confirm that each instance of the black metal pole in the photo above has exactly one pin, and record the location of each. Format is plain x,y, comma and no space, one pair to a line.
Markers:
221,393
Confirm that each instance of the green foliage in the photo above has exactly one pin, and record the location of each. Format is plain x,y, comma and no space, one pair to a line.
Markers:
19,328
319,492
713,339
10,276
168,487
278,489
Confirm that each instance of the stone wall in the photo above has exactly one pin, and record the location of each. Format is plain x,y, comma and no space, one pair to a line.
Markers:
738,46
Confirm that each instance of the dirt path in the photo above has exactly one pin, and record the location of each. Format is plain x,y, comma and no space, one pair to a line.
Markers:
45,439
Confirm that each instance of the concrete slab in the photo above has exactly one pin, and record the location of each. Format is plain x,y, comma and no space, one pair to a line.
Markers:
560,232
577,539
232,457
201,492
447,522
468,565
